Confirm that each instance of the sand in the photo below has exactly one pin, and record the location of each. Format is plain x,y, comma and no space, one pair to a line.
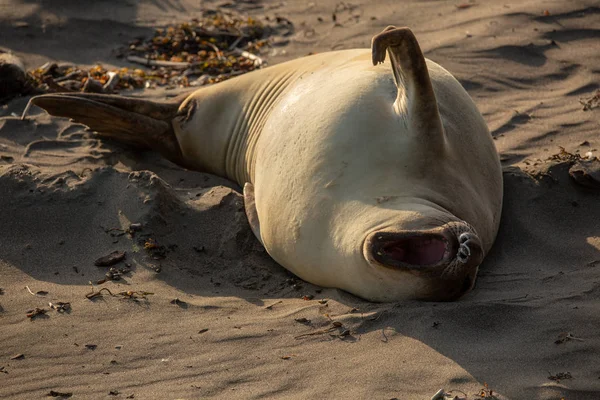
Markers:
222,319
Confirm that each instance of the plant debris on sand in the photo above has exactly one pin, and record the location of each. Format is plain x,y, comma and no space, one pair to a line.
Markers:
591,102
214,47
584,170
560,376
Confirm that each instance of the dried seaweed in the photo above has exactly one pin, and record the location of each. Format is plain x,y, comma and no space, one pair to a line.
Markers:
591,102
564,155
36,312
209,49
114,274
129,294
560,376
584,170
61,307
54,393
157,251
487,393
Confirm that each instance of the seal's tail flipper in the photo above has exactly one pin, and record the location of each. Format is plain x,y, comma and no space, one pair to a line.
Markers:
412,79
137,122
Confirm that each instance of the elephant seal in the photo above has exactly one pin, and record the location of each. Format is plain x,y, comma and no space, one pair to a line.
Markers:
380,181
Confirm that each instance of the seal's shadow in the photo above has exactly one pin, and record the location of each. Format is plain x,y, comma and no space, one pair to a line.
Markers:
543,261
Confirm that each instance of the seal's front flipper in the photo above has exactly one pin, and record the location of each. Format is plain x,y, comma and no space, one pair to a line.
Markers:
137,122
250,206
415,90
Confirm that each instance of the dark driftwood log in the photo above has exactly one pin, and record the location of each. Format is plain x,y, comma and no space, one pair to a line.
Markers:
13,78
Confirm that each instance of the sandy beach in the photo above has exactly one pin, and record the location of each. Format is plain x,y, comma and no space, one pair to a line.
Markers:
205,313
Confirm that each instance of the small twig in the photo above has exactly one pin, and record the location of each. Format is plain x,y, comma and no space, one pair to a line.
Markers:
217,51
385,338
38,293
335,325
112,83
439,395
234,44
94,294
321,332
566,336
130,294
26,110
376,317
106,230
55,87
69,76
158,63
258,61
271,306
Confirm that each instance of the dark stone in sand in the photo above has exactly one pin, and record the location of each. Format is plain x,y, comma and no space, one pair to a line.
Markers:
13,78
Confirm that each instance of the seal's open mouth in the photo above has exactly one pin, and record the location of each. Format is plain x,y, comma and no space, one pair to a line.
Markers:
419,250
411,250
445,258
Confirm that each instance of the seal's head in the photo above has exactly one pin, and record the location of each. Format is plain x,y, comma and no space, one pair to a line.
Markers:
443,260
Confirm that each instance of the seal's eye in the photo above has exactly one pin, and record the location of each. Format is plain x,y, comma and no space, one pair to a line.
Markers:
417,250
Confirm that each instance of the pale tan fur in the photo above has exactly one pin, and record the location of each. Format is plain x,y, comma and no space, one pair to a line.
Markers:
333,143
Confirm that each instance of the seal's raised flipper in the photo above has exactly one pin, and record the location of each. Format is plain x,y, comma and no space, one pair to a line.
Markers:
137,122
250,206
413,81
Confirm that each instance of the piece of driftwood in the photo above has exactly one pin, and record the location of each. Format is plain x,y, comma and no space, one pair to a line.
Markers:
13,77
111,84
158,63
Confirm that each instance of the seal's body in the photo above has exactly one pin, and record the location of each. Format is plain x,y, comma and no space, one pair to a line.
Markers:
383,182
